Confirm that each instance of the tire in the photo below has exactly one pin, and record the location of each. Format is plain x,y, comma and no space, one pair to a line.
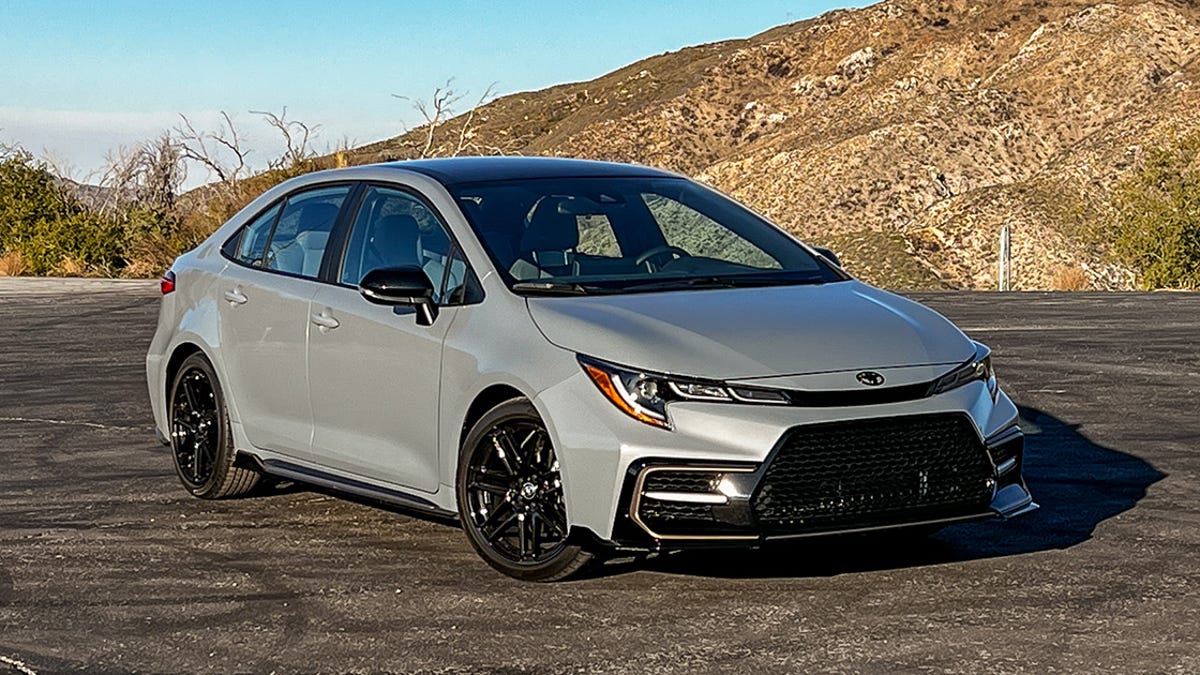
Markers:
201,438
510,496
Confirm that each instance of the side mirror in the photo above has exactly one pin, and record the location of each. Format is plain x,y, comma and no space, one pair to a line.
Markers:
401,287
828,255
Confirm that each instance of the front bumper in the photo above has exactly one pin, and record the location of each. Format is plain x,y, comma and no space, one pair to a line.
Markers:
608,459
667,503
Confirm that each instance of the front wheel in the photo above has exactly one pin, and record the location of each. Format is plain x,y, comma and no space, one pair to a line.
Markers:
510,496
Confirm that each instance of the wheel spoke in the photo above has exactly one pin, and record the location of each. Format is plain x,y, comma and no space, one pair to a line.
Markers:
513,451
501,528
485,485
197,458
555,528
496,522
189,393
503,455
523,535
533,532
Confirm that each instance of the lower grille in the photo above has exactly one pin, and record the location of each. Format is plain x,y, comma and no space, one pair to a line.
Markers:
666,513
675,502
876,472
1008,451
682,481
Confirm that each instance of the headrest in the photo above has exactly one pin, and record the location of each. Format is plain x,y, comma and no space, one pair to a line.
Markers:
317,217
396,237
551,228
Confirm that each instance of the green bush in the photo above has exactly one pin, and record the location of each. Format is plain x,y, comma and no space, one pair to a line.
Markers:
1158,217
44,223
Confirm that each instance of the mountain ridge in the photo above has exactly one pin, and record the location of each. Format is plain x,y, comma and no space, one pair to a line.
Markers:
904,134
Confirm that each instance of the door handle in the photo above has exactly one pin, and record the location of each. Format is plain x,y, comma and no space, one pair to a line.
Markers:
236,297
325,321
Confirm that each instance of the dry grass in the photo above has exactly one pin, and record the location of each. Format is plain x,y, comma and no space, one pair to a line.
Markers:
1070,278
70,267
12,264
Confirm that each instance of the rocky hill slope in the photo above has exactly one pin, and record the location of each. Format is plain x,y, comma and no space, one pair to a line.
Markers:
904,135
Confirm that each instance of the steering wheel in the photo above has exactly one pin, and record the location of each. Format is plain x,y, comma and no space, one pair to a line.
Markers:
674,251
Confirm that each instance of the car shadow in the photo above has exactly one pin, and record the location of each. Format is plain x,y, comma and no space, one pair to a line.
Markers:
1078,484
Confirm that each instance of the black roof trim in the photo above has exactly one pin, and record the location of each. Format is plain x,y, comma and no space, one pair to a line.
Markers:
453,170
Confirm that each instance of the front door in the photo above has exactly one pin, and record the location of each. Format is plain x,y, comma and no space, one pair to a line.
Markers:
374,374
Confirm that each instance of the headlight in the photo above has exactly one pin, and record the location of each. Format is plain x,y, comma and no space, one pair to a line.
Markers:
978,368
645,396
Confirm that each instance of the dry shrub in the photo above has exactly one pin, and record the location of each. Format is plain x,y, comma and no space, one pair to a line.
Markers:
13,264
71,267
1070,278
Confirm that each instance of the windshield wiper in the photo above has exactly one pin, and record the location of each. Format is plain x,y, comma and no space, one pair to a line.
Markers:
735,281
550,288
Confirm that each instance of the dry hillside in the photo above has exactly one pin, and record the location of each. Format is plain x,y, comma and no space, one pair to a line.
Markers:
903,134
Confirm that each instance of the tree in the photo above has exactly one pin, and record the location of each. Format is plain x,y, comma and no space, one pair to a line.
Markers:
1158,217
146,177
207,147
296,137
438,110
45,225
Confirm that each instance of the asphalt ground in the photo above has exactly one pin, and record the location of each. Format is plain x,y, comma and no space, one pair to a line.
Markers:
107,565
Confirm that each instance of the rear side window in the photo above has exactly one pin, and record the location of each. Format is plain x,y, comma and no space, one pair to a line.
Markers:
300,236
254,238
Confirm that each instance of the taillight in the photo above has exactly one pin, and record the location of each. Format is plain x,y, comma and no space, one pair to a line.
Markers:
167,283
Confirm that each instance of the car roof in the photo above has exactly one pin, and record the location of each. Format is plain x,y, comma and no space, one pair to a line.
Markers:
454,170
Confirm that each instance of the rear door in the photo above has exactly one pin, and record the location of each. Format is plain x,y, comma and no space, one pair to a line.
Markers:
374,374
265,297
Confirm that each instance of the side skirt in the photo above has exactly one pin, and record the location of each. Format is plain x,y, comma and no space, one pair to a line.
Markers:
303,474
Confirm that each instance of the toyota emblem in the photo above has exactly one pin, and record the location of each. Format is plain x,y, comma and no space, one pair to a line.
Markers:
869,378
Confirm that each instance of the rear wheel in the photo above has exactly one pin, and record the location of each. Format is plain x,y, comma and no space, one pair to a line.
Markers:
510,496
201,439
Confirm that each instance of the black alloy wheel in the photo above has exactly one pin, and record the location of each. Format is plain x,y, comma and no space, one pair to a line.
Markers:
201,439
510,496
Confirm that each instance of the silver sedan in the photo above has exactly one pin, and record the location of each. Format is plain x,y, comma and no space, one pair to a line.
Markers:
572,358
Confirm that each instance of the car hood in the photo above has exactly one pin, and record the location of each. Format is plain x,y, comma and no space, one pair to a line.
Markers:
742,333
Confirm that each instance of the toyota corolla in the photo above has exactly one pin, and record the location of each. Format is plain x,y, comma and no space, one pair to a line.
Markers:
572,358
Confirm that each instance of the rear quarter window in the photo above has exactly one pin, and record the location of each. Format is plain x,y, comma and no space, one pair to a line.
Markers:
253,240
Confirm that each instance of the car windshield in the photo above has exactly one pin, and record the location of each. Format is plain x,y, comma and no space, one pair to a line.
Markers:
616,235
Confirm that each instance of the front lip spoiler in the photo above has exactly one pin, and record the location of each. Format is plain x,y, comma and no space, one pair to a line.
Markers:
1012,501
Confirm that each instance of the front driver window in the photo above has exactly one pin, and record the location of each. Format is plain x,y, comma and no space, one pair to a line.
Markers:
395,229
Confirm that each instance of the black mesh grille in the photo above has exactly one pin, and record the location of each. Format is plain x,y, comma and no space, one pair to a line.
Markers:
1006,451
654,511
681,481
865,473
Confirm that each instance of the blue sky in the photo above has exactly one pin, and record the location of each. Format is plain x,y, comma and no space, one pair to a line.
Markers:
79,78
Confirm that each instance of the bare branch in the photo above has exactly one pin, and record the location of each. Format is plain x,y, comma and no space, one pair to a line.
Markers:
195,147
465,132
438,110
296,137
146,177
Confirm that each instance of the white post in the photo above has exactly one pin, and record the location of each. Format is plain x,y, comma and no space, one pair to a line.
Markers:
1005,259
